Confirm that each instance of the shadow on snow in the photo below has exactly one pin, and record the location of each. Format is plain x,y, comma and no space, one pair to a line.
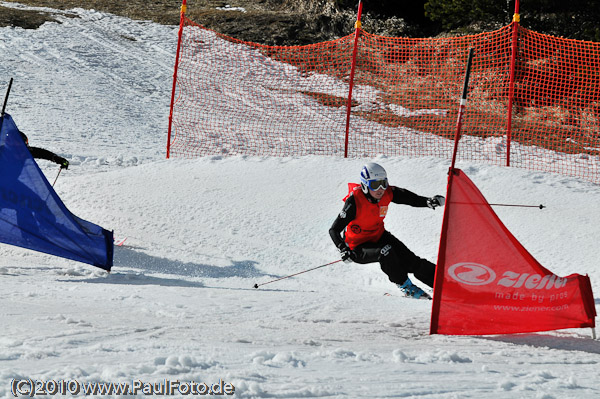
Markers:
562,342
139,260
142,279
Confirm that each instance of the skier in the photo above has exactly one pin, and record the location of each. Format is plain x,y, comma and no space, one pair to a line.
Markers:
41,153
359,234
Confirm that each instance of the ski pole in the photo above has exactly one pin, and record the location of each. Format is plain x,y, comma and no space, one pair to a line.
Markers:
60,170
522,206
295,274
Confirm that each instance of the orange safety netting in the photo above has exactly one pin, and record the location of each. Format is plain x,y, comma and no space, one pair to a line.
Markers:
234,97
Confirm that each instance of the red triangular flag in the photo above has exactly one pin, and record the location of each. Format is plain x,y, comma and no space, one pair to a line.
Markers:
487,283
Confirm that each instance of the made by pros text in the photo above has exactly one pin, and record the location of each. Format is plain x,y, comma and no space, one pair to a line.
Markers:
532,282
525,286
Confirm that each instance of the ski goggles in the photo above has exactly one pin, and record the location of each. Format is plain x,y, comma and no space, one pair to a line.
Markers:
378,184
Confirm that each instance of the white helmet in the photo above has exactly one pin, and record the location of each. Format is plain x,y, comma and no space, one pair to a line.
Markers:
373,176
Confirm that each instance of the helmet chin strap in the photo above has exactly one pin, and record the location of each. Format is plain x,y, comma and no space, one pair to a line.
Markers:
367,194
371,199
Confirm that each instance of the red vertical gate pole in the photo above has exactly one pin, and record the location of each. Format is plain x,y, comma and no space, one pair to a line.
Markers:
352,70
511,84
182,16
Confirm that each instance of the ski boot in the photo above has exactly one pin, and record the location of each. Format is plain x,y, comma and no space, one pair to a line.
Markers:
413,291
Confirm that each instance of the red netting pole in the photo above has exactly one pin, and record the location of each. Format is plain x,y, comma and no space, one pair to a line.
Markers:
511,84
461,109
352,69
182,16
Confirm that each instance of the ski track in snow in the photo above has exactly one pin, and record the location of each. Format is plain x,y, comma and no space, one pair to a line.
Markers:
179,303
127,65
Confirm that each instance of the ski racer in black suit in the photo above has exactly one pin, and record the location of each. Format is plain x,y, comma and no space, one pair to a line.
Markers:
359,234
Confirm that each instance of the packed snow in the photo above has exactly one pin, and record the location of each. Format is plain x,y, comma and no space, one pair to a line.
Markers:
179,304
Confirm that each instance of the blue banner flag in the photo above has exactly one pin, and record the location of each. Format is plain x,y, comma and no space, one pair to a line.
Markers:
33,216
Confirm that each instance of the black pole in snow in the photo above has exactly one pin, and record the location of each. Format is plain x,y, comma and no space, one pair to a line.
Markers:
521,206
6,97
463,105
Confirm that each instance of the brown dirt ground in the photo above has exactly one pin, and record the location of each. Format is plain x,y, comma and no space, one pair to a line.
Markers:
265,21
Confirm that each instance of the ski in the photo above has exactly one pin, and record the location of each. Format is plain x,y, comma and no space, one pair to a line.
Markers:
424,296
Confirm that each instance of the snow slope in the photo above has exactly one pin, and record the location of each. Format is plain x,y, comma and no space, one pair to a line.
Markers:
179,303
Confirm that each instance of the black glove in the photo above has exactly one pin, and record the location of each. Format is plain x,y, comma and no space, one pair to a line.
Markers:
64,164
437,200
347,254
